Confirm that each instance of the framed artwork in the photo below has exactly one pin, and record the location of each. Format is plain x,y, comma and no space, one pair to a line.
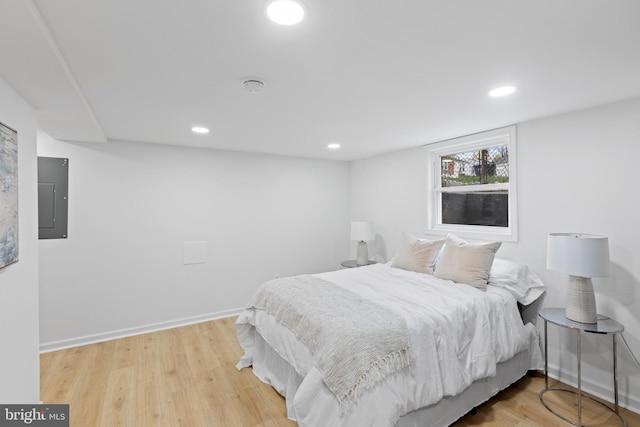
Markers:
8,196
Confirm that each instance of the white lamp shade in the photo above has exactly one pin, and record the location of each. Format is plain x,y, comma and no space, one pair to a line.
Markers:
362,231
576,254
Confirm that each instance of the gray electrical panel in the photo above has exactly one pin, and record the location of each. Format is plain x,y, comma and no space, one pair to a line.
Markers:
53,197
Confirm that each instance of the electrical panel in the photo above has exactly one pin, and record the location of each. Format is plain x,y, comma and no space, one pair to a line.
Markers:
53,197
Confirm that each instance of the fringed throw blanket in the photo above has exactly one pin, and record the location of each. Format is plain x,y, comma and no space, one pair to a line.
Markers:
355,342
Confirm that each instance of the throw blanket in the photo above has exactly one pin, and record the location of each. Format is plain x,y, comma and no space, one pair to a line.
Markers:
355,342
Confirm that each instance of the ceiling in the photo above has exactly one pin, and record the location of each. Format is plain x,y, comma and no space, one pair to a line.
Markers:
374,75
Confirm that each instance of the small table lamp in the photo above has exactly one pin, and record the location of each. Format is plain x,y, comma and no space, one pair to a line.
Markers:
362,231
581,256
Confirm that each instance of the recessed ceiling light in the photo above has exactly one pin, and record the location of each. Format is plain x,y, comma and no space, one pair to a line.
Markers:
285,12
502,91
199,129
333,145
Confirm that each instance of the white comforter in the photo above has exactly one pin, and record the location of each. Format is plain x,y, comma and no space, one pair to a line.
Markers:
457,335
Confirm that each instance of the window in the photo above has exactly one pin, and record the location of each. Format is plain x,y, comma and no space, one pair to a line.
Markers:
472,186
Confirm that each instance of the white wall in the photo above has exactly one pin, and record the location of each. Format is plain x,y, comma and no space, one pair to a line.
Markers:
389,190
577,172
131,208
19,357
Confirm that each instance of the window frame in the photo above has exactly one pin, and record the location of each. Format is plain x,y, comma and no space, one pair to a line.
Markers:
434,225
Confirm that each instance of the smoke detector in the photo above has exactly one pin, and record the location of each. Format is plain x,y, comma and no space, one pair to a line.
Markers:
253,85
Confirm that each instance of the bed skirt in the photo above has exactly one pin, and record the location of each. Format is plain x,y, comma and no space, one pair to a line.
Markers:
272,369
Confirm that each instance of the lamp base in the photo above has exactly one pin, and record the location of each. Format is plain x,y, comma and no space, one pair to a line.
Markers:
581,301
363,253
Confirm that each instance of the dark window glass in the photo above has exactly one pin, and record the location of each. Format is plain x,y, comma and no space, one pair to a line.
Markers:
490,208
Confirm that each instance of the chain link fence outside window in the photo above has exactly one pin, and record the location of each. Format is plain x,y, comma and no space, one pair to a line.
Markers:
476,167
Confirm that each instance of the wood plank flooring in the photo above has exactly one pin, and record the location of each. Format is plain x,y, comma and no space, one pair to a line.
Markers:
187,377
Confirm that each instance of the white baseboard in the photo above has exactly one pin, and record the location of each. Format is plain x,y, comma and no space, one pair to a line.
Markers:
123,333
603,391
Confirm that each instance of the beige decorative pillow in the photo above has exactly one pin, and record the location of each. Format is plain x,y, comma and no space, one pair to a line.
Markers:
417,254
468,263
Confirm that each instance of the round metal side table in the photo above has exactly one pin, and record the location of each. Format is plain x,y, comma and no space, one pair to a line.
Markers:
353,264
606,326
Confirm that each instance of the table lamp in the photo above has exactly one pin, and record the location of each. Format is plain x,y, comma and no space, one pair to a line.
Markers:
581,256
362,231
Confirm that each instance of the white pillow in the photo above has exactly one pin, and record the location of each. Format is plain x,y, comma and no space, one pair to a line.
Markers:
416,254
465,262
523,283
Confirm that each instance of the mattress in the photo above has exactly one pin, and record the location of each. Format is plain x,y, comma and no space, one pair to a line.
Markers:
467,345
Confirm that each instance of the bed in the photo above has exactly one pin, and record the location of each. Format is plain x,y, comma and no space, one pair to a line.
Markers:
395,344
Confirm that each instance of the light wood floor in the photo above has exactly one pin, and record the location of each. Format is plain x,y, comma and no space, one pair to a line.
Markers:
187,377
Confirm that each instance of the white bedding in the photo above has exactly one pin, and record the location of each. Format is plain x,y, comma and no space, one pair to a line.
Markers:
457,335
